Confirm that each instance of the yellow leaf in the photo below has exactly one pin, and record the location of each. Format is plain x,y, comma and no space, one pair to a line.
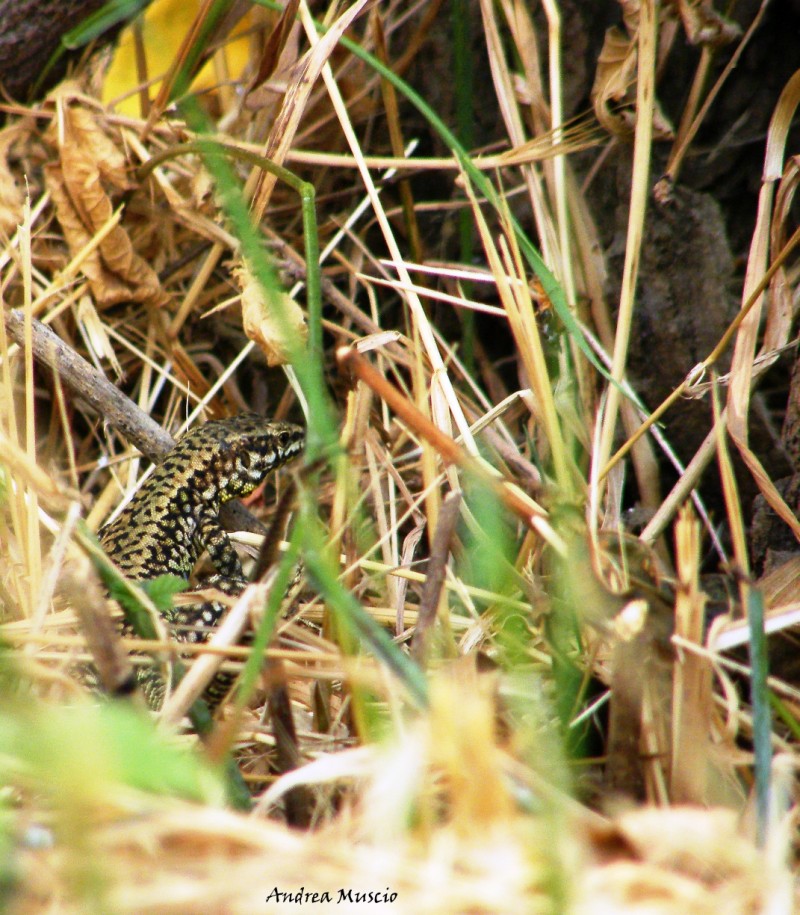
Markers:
166,22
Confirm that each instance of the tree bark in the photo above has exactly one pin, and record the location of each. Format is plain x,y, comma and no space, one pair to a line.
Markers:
30,33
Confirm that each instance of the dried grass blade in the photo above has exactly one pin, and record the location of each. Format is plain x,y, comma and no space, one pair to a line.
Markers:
691,696
746,339
512,496
514,124
30,509
304,76
421,323
640,187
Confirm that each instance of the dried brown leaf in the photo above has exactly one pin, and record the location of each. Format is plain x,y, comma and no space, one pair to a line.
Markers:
88,159
614,78
115,272
80,129
704,25
614,90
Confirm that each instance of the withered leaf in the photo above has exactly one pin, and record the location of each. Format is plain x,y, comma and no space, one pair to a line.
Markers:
614,89
272,328
88,160
704,25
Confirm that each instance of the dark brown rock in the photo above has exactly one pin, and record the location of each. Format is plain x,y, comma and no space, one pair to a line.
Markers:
684,299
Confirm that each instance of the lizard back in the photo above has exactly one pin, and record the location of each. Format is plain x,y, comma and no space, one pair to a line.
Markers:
160,531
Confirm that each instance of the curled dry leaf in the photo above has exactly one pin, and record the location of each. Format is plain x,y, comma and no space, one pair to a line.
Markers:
613,93
613,81
614,89
701,22
275,330
704,25
88,160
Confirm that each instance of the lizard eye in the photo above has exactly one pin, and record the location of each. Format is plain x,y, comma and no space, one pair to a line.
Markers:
246,460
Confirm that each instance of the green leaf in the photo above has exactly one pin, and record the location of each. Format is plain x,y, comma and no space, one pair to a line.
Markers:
163,589
102,20
83,753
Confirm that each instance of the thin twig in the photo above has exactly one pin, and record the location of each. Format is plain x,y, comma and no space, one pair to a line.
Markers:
437,566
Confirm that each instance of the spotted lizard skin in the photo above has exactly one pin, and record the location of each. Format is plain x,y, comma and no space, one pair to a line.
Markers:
174,516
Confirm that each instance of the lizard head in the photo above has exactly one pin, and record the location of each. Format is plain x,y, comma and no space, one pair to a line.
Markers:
245,448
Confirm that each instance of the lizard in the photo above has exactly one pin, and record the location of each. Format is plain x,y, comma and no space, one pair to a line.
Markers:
174,516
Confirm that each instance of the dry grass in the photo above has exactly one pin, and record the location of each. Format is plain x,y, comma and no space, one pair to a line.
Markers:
577,740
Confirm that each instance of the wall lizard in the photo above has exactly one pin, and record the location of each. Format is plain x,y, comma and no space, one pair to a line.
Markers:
174,516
